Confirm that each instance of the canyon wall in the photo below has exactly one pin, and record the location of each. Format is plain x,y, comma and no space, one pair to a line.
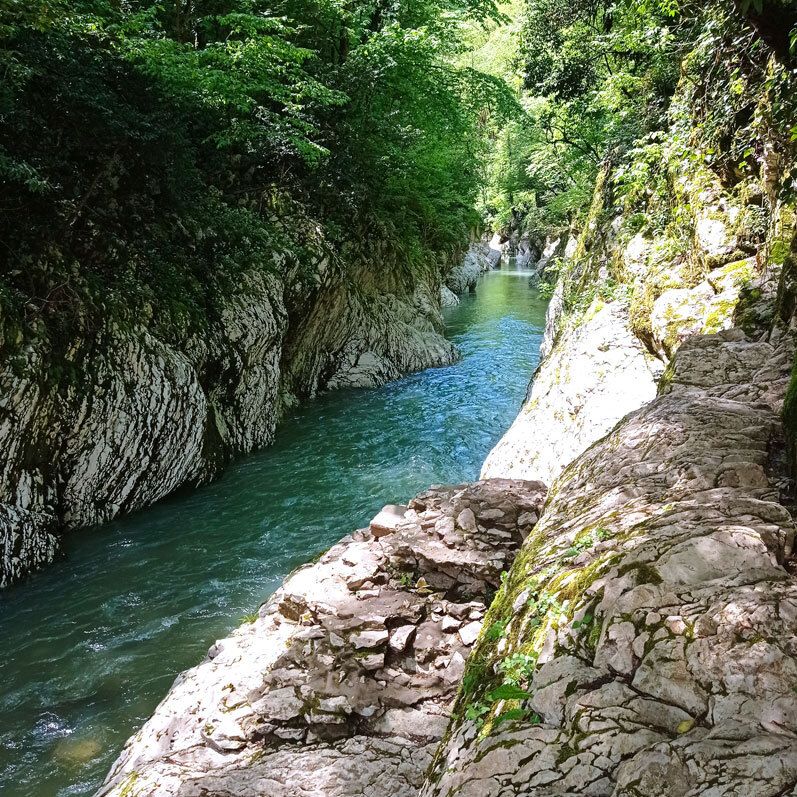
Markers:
117,417
643,641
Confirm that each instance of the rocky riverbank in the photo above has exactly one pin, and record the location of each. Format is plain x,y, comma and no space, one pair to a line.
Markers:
481,256
343,683
650,618
640,644
124,417
642,641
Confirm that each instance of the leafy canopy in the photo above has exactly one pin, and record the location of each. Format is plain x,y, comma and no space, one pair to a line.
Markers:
152,151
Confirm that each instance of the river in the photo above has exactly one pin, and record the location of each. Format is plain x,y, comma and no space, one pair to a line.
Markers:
91,645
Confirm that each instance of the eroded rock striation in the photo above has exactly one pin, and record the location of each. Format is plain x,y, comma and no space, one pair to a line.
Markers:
123,417
343,684
480,257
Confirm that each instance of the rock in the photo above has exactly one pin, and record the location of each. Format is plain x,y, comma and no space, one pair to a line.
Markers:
400,637
491,514
707,308
598,373
280,704
387,520
369,639
356,683
657,652
714,238
449,623
373,661
335,704
447,297
466,520
469,632
527,519
463,277
455,668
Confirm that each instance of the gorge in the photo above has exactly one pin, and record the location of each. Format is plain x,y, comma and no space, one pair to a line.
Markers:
560,509
109,656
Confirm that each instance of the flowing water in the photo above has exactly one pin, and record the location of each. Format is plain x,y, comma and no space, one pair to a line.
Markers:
89,646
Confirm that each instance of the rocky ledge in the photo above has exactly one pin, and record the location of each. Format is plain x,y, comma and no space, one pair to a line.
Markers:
346,678
645,642
481,257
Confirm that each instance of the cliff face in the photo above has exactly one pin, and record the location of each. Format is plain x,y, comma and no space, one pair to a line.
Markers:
644,639
682,252
122,417
642,642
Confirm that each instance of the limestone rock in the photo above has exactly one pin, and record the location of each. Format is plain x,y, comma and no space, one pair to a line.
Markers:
369,639
338,686
597,373
143,416
463,277
651,605
387,520
447,297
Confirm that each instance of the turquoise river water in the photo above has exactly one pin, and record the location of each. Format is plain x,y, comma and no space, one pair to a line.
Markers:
91,645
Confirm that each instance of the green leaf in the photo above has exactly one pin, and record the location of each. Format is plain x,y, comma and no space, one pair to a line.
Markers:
512,714
508,692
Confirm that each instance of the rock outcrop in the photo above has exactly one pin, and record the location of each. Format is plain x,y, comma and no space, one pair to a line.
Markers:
599,373
481,256
343,684
646,632
447,297
123,417
623,304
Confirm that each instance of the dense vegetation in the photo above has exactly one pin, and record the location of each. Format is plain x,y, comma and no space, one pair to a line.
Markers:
152,151
598,78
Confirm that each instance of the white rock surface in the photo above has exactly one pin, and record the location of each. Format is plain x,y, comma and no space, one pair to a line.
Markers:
595,374
388,520
654,607
447,297
137,416
479,258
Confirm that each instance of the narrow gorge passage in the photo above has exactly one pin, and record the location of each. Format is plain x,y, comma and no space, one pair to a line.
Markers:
92,644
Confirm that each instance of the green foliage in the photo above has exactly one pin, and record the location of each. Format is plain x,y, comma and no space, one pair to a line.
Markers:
508,692
790,412
517,668
151,153
598,81
585,542
496,631
595,76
